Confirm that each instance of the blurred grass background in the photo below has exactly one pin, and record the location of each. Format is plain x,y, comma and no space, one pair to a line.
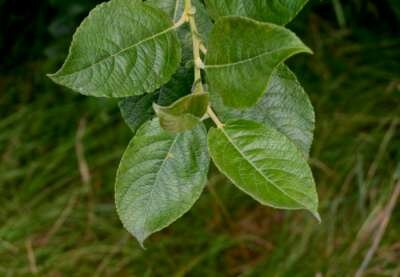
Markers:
59,152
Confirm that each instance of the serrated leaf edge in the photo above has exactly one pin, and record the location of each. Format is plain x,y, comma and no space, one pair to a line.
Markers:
313,210
54,76
142,238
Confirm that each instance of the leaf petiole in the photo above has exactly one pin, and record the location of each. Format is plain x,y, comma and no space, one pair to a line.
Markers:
214,118
198,48
184,18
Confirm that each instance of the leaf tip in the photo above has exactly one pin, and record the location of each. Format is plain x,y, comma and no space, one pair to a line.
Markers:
140,237
317,216
141,243
53,77
309,51
50,75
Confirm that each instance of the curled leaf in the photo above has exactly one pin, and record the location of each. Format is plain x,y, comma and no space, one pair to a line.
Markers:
184,114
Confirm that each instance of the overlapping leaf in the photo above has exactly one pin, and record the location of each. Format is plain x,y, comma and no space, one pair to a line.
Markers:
265,164
184,114
180,85
123,48
160,177
130,48
275,11
136,110
242,56
285,106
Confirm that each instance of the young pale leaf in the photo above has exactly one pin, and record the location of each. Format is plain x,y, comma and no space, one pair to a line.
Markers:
184,114
242,55
265,164
160,177
285,106
123,48
275,11
137,110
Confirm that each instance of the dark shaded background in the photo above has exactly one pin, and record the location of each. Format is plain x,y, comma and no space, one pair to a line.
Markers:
57,217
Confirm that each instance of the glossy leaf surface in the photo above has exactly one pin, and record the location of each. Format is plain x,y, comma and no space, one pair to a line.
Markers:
285,106
160,177
275,11
123,48
265,164
242,56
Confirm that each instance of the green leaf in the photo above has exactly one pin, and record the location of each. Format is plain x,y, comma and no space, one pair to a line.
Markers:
123,48
184,114
137,110
275,11
173,8
285,106
264,164
160,177
242,56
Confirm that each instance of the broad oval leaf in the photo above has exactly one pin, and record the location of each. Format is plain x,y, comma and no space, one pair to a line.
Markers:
123,48
285,106
184,114
264,164
242,55
160,177
275,11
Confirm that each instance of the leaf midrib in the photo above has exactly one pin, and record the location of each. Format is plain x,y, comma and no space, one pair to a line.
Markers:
256,168
122,50
158,175
252,58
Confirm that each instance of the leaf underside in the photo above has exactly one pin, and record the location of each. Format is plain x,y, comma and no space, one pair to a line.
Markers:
242,56
284,106
264,164
160,177
123,48
275,11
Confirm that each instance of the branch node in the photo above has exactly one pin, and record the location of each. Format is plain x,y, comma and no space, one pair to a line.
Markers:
199,63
